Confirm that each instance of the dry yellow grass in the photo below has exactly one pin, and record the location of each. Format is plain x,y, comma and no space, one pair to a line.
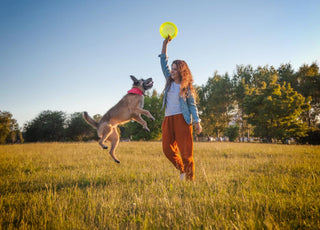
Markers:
238,186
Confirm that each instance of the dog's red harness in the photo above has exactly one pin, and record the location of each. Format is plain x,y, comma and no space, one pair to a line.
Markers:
136,91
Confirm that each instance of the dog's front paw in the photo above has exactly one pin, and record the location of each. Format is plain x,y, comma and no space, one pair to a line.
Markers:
152,118
146,128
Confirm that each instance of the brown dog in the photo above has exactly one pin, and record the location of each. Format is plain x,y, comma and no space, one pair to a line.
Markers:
130,107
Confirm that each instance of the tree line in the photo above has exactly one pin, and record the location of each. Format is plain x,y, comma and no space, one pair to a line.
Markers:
269,103
264,102
50,126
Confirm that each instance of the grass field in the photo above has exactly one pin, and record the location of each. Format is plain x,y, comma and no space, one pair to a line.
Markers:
238,186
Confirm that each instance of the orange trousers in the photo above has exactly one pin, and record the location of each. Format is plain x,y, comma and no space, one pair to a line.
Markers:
177,136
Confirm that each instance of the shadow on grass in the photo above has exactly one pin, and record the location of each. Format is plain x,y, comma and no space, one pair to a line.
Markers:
34,186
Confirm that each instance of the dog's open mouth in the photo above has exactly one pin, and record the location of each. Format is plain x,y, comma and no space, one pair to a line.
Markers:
148,84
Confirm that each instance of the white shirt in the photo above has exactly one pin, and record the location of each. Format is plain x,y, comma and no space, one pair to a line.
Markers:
172,103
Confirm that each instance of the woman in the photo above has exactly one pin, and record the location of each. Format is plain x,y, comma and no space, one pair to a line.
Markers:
179,102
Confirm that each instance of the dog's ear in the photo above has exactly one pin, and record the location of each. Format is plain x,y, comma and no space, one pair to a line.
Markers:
135,80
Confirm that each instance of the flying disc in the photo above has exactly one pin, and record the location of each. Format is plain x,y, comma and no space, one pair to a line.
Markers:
168,28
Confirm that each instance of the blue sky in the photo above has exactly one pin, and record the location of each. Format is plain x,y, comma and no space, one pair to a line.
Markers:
77,55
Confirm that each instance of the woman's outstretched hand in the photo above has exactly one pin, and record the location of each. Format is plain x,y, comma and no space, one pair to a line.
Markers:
165,43
167,40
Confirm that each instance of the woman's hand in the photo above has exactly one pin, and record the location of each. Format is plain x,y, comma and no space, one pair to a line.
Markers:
167,40
165,43
198,128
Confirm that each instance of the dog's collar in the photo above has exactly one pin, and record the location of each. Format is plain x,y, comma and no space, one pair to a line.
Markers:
135,91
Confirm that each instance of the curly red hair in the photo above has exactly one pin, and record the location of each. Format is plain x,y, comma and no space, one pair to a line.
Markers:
186,79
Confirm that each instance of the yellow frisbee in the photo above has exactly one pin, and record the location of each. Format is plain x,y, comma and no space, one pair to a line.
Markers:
168,28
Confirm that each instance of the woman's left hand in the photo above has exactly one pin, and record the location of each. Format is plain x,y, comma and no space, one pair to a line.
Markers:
198,128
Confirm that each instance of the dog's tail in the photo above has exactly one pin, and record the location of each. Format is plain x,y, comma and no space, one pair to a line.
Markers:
89,120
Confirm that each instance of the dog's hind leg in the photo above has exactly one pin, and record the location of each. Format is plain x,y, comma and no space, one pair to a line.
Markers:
104,132
114,139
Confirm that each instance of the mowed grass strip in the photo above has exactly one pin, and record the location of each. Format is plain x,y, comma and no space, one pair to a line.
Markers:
238,186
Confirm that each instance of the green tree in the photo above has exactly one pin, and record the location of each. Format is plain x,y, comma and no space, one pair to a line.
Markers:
215,104
308,78
232,132
275,110
241,80
47,126
9,129
78,129
5,123
287,74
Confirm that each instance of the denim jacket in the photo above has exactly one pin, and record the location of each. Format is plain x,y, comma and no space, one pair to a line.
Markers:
188,105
